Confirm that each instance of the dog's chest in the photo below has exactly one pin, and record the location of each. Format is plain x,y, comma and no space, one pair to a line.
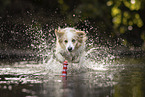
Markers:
72,57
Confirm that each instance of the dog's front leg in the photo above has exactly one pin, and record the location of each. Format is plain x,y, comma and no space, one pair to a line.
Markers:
59,57
82,59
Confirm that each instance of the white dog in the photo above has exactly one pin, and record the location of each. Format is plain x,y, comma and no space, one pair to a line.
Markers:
70,45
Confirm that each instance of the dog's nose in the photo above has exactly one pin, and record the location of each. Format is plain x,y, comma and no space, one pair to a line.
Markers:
70,49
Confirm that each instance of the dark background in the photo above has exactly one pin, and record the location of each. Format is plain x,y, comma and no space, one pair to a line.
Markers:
115,22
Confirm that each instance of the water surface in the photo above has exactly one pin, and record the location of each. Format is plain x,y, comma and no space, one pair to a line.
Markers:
123,77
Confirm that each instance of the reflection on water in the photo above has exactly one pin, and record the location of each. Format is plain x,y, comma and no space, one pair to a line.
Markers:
131,80
121,78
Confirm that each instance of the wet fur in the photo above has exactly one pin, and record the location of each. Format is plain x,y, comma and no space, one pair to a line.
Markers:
77,42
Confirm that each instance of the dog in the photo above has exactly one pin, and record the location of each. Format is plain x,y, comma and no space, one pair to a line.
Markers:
70,45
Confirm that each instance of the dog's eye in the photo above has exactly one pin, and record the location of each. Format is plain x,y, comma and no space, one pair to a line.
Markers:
73,40
65,41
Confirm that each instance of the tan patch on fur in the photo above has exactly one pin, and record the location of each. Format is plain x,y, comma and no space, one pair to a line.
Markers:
58,33
60,41
81,33
79,41
78,45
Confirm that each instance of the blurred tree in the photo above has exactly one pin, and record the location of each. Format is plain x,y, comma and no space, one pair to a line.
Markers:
127,20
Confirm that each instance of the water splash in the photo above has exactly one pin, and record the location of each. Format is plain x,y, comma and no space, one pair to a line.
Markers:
43,41
97,58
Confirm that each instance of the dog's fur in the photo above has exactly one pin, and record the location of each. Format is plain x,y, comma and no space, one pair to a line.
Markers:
70,44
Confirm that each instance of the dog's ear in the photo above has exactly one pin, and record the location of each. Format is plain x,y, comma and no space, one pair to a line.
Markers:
81,33
58,33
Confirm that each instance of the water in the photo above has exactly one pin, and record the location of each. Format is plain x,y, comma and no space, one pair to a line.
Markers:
120,77
101,75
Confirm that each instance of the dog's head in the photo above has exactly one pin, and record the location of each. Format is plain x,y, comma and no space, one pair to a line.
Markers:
70,38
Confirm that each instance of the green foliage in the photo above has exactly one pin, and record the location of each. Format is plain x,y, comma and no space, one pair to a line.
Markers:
125,13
